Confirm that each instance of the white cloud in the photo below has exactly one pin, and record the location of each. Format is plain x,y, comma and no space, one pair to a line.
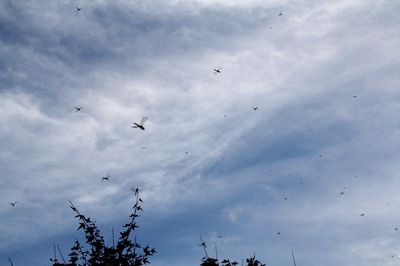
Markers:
302,74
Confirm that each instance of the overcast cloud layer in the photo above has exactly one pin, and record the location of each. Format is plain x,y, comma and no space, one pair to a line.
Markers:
324,76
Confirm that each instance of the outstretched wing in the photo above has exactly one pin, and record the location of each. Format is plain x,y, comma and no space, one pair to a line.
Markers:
144,119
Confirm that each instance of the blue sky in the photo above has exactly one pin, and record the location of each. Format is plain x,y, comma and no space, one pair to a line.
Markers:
325,79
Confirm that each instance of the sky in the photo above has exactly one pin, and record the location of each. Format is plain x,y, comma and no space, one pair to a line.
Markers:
314,170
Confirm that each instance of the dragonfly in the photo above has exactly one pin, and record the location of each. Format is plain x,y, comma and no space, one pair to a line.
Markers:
106,177
217,70
141,124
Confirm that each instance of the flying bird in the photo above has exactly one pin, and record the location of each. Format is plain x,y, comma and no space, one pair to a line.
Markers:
140,125
362,214
78,8
341,193
13,203
107,177
78,109
255,108
217,70
280,13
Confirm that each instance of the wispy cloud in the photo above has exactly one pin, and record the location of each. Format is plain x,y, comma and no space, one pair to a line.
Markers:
324,79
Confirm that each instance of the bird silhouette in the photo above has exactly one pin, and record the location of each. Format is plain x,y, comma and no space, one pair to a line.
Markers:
140,125
362,214
78,109
78,8
107,177
280,14
341,193
13,203
255,108
217,70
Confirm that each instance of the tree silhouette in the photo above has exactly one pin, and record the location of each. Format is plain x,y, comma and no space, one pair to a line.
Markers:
209,261
127,252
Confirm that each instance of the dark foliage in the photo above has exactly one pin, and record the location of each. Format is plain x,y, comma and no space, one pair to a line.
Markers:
127,252
208,261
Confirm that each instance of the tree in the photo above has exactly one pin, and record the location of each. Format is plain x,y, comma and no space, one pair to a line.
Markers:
127,252
209,261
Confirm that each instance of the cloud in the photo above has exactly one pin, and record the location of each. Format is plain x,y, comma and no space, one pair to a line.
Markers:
323,76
